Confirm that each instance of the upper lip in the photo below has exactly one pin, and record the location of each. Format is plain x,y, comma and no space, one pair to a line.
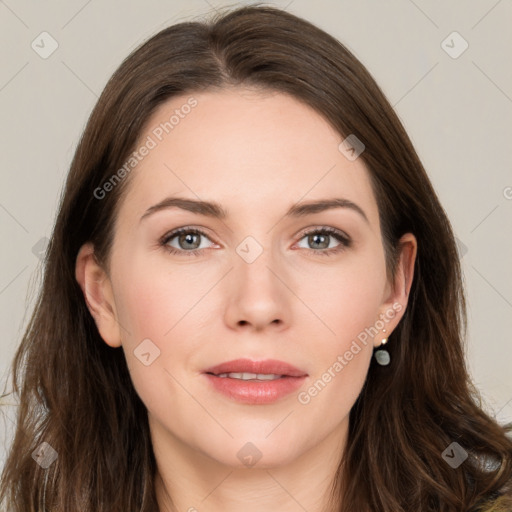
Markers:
268,366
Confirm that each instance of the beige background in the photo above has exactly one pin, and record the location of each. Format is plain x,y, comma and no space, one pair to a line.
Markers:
457,111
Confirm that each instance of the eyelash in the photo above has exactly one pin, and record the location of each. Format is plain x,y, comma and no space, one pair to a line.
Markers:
345,241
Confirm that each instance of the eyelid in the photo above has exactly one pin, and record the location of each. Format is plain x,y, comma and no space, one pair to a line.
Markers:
329,229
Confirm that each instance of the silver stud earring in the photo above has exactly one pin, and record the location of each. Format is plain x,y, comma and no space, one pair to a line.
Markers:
382,355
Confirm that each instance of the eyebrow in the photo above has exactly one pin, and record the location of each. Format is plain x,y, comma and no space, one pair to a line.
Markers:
216,211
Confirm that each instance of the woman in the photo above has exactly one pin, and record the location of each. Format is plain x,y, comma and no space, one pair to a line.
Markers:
304,352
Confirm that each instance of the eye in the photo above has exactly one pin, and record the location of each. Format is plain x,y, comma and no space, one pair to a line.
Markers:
320,239
188,241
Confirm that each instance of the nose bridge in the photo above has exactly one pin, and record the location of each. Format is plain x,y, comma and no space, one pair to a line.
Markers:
257,295
255,263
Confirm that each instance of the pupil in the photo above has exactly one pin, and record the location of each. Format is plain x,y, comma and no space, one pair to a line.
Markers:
189,238
314,237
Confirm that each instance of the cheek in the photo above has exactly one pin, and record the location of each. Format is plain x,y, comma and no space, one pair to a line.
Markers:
347,297
145,309
342,356
347,300
153,309
154,296
161,305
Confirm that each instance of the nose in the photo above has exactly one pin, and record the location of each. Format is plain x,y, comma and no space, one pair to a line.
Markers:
257,296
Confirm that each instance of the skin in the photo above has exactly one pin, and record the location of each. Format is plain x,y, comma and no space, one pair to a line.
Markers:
255,153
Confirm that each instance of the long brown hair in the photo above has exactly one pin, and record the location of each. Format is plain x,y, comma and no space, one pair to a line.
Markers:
75,392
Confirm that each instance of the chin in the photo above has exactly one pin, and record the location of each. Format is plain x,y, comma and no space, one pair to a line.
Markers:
257,452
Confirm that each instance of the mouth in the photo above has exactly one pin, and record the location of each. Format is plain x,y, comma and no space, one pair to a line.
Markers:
255,382
247,369
250,376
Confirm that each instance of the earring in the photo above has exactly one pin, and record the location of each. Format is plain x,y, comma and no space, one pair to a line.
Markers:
381,355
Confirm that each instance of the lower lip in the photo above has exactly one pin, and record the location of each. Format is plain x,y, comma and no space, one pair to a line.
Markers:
255,392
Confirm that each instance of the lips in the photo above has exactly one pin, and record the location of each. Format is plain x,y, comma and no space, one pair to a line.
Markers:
268,366
255,382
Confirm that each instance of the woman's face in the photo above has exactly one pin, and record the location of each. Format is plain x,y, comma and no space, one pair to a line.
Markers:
263,282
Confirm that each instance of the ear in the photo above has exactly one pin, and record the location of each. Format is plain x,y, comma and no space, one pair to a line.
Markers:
396,295
97,290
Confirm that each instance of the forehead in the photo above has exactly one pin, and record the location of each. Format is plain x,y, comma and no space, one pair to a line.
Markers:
244,149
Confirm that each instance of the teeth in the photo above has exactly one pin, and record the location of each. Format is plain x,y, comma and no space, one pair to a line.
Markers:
250,376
